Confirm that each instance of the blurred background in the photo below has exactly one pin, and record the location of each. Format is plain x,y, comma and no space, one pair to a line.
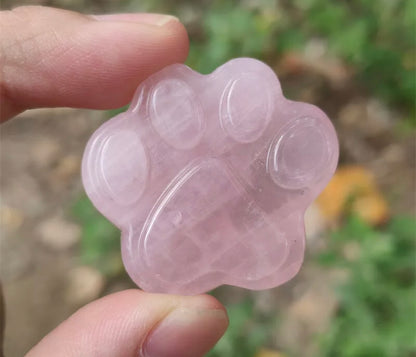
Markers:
355,295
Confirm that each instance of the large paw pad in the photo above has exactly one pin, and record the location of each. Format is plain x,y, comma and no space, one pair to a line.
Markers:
208,178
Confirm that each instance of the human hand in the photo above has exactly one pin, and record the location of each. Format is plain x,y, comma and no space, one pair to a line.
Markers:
52,57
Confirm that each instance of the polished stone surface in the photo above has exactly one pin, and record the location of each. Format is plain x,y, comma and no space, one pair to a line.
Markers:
208,178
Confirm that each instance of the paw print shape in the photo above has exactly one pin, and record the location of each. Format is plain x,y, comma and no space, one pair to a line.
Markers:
208,178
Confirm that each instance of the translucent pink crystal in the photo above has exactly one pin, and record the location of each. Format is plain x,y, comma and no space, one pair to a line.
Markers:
208,178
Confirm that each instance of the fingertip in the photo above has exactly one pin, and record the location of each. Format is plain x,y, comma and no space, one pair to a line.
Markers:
138,50
113,58
181,34
208,302
132,322
189,330
82,62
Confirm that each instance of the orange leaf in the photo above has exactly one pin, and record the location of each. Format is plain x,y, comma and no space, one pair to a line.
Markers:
353,189
269,353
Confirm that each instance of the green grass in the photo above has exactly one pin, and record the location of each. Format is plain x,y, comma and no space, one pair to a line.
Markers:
100,240
377,311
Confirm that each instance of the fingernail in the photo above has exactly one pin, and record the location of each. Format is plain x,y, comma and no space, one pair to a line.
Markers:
143,18
163,20
186,332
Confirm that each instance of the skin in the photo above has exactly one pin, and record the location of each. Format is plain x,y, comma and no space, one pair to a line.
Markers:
51,57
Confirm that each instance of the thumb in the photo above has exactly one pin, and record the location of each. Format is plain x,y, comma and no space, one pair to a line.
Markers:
134,323
53,57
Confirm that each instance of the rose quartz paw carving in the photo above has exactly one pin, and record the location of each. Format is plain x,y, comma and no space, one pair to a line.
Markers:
208,178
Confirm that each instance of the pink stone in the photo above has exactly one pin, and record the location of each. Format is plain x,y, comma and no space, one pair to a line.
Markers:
208,178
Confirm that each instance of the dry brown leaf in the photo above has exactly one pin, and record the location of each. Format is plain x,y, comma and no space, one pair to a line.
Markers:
353,188
269,353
